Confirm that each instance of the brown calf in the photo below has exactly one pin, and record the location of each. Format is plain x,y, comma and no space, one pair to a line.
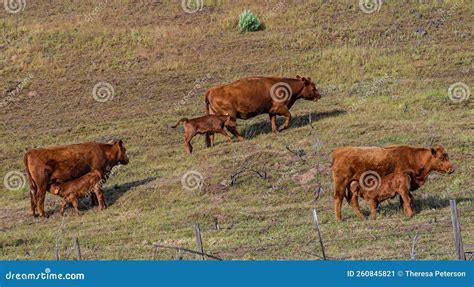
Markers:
77,188
208,125
375,192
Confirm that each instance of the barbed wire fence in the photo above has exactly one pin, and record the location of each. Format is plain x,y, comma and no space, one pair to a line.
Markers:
315,240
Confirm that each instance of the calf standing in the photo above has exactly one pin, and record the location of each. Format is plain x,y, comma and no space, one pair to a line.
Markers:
397,183
208,125
72,190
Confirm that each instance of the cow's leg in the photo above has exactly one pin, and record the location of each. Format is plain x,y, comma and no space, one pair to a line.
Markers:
75,205
282,110
355,206
187,146
93,200
40,197
339,194
63,206
208,140
373,208
407,202
104,202
38,175
233,130
187,142
286,113
33,202
100,196
273,122
32,187
212,137
222,132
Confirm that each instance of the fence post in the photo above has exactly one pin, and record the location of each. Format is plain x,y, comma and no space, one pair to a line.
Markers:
456,230
78,248
197,231
318,229
412,251
57,250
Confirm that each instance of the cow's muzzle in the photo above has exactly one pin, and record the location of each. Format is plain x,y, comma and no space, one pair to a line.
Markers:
125,161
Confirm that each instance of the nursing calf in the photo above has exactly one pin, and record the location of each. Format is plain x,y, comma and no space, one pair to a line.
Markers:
374,192
72,190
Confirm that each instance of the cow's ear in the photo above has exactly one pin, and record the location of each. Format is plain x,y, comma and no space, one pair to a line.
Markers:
433,152
120,142
306,82
439,149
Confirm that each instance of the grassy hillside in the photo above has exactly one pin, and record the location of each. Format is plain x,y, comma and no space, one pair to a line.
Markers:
384,78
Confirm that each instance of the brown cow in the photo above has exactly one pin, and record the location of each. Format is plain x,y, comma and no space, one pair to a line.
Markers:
249,97
374,192
208,125
46,166
77,188
349,163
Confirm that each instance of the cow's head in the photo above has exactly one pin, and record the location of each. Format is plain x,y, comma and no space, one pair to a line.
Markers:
55,189
309,91
120,152
440,160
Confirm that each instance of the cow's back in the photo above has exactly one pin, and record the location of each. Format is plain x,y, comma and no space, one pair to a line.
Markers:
243,98
67,161
353,161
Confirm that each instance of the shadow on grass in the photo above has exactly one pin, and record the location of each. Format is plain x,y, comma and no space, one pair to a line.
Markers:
112,194
265,127
419,203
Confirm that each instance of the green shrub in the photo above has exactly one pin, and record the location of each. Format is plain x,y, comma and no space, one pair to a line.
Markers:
248,22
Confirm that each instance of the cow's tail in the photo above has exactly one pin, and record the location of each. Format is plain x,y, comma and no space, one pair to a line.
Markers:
208,112
31,182
207,102
180,120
